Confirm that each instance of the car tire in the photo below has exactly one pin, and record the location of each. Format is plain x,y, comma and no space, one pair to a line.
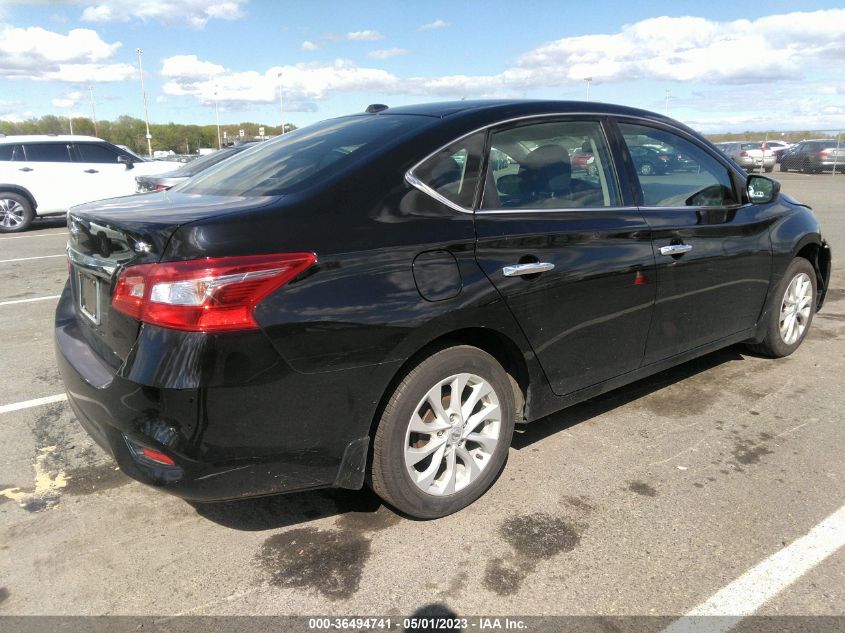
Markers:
806,168
16,212
769,169
646,169
783,167
455,453
796,290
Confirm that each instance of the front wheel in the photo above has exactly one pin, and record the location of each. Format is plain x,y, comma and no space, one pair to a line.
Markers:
790,311
444,435
647,169
16,213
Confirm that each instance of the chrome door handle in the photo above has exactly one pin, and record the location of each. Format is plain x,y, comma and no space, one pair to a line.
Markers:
675,249
26,169
527,269
91,171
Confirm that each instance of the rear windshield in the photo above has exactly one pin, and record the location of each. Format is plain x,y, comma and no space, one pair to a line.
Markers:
298,159
204,162
752,146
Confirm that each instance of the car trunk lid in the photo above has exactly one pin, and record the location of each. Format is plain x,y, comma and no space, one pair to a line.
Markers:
108,236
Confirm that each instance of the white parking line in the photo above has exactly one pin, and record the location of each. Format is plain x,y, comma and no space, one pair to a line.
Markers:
9,303
24,259
26,404
763,582
27,237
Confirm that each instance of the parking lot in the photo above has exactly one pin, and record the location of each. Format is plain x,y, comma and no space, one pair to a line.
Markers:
648,500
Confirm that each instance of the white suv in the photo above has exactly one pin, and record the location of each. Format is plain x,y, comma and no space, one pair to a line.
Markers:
46,175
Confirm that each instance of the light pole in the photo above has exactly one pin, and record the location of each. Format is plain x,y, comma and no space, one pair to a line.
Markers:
281,102
93,110
666,107
217,118
146,113
589,81
70,121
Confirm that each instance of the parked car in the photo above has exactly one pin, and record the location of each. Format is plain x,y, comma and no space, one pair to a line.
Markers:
369,299
46,175
648,161
777,147
750,155
814,156
159,182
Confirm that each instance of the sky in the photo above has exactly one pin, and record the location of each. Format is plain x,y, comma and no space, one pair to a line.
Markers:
727,66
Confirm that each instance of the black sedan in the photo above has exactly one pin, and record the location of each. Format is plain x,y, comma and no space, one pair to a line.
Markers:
373,299
160,182
812,157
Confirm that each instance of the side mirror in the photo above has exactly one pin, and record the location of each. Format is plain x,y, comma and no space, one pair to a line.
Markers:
762,190
126,161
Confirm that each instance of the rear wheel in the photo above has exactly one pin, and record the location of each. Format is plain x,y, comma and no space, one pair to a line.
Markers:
444,435
16,213
647,169
783,167
790,311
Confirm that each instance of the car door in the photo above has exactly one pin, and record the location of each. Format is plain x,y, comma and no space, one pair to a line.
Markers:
103,176
713,252
46,173
570,255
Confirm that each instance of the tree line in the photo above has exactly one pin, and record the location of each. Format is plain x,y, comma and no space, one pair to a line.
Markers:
129,131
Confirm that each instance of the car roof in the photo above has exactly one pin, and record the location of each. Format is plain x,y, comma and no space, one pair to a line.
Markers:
514,108
50,138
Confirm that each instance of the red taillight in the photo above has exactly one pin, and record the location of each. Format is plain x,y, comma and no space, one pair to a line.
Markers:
205,295
823,153
743,153
161,187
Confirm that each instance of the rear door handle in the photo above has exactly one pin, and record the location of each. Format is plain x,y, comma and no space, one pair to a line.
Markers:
675,249
26,169
91,171
527,269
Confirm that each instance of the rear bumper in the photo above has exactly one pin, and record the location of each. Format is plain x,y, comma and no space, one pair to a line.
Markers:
282,434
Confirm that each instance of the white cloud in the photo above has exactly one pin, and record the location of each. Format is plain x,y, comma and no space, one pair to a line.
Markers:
437,24
195,13
189,66
308,45
68,101
387,53
81,55
302,84
364,36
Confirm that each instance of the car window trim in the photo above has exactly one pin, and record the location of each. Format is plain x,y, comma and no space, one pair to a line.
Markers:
415,182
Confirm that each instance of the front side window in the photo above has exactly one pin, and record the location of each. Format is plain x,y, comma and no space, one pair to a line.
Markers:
47,152
674,172
453,171
550,165
92,153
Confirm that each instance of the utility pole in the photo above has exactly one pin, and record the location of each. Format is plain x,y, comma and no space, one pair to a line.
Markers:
93,110
281,102
70,121
146,113
217,118
589,81
666,107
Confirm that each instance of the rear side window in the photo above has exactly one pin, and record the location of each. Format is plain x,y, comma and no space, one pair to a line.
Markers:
453,171
550,165
681,175
93,153
305,157
10,151
47,152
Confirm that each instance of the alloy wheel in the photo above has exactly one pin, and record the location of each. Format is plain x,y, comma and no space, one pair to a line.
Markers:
452,434
795,308
11,213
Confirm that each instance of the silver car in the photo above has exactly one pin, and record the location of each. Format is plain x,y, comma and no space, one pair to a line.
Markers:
749,155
